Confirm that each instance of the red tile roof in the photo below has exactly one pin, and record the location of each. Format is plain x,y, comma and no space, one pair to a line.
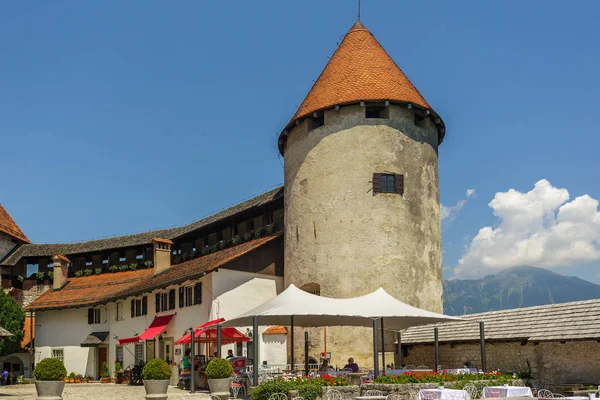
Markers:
26,332
98,289
8,226
160,240
275,330
359,70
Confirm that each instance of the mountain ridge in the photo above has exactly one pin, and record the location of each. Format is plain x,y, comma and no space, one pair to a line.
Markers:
515,288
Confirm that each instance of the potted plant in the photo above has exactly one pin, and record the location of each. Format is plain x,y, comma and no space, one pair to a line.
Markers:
218,372
118,373
72,377
78,378
50,376
98,271
104,375
156,374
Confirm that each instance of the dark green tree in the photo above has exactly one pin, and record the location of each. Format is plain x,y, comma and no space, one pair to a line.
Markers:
11,319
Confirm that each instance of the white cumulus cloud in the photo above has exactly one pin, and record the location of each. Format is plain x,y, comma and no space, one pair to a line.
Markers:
539,228
449,213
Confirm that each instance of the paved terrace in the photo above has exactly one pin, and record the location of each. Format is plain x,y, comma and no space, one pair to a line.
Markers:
94,391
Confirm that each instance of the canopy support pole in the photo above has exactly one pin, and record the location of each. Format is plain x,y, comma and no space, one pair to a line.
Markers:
399,350
482,344
193,357
375,351
306,353
292,343
255,351
219,341
382,348
436,346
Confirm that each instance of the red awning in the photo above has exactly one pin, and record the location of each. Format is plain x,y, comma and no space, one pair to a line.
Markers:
228,335
186,338
156,327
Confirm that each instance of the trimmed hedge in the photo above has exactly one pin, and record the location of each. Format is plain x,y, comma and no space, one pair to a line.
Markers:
50,369
157,370
218,368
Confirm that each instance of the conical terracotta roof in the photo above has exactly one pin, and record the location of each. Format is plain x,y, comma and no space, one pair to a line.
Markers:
8,226
359,70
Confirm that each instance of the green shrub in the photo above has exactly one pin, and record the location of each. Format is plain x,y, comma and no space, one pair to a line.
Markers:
123,267
218,368
148,264
156,369
98,271
247,236
50,275
40,276
133,266
87,272
270,228
113,268
308,389
237,240
104,371
20,278
79,274
258,233
117,368
72,375
50,369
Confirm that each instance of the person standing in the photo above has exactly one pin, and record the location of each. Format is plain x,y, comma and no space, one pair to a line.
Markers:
186,369
229,354
5,375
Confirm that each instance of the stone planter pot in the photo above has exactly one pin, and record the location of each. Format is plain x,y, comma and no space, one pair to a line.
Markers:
156,389
220,387
49,390
105,380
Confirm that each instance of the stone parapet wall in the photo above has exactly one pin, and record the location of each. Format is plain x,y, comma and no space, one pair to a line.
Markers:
570,362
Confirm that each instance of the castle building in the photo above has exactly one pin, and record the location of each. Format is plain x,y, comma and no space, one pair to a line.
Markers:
359,210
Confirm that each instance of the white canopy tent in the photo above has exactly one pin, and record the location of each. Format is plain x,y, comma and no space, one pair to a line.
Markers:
295,307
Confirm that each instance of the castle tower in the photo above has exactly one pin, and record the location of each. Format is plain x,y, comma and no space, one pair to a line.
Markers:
362,204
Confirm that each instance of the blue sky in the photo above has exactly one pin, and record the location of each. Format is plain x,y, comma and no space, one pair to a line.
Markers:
102,101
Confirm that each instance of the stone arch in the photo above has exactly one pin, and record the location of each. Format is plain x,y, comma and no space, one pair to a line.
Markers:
312,288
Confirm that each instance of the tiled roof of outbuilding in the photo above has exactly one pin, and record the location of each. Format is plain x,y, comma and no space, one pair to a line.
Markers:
99,289
9,226
359,70
41,250
576,320
275,330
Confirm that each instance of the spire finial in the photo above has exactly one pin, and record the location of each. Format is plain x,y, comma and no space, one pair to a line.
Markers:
359,10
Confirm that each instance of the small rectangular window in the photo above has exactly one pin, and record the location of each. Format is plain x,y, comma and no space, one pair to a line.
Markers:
119,311
172,299
163,302
139,353
388,183
181,297
198,293
189,299
316,120
377,111
58,354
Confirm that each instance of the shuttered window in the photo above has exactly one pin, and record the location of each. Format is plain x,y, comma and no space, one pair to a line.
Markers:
132,308
198,293
172,299
388,183
181,297
94,316
144,305
157,300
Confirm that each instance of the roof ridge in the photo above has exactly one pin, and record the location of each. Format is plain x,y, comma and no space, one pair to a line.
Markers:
10,227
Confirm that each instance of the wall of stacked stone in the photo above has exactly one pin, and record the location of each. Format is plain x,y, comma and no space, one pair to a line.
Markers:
570,362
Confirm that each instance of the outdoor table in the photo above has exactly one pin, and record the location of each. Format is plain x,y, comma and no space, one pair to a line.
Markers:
445,394
507,391
355,377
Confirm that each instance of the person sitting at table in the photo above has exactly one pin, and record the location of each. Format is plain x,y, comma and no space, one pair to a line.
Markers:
351,366
325,366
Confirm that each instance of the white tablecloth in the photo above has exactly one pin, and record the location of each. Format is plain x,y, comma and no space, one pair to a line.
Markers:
507,391
443,394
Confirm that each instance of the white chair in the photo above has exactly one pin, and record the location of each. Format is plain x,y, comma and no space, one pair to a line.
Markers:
333,394
541,384
393,396
214,397
278,396
472,391
544,394
373,393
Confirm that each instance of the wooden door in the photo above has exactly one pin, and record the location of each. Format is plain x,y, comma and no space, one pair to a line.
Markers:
102,358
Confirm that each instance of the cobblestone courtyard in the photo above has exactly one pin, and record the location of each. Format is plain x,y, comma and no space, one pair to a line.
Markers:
94,391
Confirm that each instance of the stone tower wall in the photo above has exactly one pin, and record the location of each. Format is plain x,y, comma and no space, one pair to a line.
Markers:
341,237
